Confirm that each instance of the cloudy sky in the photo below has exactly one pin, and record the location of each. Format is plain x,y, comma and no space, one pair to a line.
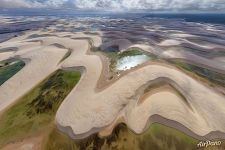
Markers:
154,5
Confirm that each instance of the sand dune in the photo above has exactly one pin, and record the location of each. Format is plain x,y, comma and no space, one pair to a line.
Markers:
87,110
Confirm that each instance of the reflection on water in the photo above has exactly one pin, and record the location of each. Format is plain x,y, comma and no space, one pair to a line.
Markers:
128,62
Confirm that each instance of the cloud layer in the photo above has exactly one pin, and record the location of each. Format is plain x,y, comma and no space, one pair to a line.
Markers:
212,5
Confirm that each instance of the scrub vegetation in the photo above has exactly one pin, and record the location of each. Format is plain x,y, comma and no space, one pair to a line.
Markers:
35,111
157,137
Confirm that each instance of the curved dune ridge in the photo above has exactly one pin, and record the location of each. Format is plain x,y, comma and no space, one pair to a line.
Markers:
87,110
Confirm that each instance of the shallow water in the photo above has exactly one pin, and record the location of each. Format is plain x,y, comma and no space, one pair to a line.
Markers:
128,62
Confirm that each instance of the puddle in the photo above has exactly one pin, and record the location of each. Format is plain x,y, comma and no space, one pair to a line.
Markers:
128,62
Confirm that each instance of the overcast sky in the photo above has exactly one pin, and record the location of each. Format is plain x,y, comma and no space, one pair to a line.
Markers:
115,5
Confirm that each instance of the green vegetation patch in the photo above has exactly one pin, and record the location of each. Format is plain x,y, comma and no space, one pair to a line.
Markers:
9,69
157,137
36,110
132,52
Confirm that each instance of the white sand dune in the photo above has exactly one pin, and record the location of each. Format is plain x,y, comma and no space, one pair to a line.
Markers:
83,114
5,55
41,62
186,56
87,110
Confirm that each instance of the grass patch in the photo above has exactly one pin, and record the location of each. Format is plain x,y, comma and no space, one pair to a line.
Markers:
36,110
9,69
160,137
132,52
157,137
